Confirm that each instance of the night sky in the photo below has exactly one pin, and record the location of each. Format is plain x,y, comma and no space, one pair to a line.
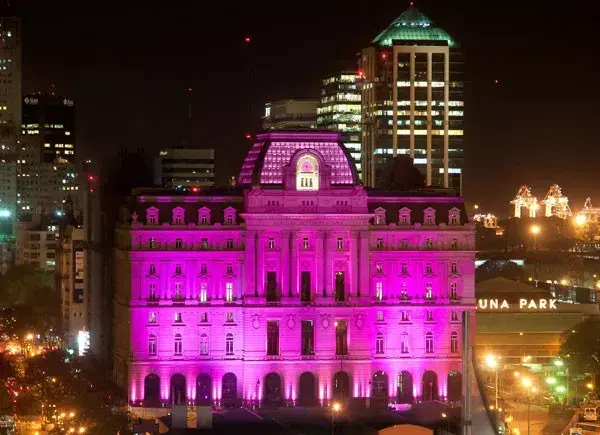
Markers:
128,69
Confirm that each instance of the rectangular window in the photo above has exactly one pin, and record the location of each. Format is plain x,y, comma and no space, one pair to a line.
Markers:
379,244
340,243
178,318
152,270
428,268
178,244
379,290
454,244
178,269
229,220
272,293
305,294
229,244
271,243
404,316
229,292
380,316
204,243
204,220
203,317
272,337
341,337
429,243
152,295
203,269
429,316
428,291
453,268
229,269
152,318
152,219
340,287
229,317
308,337
378,268
404,244
152,242
305,243
404,269
203,292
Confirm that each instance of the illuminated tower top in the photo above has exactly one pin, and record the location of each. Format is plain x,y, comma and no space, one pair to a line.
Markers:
412,25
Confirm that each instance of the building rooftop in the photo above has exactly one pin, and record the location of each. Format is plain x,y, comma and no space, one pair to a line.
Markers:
413,25
272,151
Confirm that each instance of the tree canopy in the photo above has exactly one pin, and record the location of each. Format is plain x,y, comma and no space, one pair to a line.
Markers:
581,347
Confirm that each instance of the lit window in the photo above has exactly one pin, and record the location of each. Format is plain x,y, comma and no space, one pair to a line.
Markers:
454,316
379,290
454,244
229,219
429,243
178,244
178,269
204,243
203,292
404,269
152,318
229,244
305,243
152,242
177,318
307,173
404,316
340,243
379,244
152,269
229,292
380,316
229,317
429,316
271,243
453,292
428,268
428,291
453,268
204,317
378,268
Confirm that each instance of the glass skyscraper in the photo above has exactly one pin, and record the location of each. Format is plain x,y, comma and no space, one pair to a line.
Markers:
339,110
412,100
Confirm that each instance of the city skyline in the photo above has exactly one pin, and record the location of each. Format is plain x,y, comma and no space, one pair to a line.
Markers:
147,72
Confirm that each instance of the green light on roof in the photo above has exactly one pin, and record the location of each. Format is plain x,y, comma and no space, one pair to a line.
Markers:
412,25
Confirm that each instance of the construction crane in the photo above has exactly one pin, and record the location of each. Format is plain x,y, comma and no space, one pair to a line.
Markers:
556,203
488,220
592,214
524,199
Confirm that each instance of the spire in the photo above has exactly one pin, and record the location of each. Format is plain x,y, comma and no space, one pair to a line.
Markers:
412,25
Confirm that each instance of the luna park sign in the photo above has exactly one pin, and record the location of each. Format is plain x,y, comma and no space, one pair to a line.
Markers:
524,304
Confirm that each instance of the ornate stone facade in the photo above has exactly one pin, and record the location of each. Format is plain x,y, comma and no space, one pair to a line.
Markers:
296,289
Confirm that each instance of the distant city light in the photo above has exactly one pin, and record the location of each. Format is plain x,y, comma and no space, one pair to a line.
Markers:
4,213
247,39
59,213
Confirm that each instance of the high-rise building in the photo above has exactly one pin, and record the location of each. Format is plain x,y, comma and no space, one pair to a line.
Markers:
185,167
340,110
48,128
35,240
412,100
293,114
10,79
8,188
298,289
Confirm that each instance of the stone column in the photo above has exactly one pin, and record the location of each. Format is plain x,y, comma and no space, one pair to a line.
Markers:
284,252
353,266
293,288
364,266
164,291
241,282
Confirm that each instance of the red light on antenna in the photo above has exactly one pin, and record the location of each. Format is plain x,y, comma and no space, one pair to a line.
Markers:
247,39
91,177
190,90
496,82
195,189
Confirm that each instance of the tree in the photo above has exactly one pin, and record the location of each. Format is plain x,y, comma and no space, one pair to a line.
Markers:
581,347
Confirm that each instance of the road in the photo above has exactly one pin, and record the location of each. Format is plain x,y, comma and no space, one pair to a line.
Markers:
538,417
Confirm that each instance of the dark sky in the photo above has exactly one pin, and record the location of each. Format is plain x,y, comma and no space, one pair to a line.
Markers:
129,68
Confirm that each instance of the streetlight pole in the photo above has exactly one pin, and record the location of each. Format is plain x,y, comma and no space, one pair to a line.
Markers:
496,388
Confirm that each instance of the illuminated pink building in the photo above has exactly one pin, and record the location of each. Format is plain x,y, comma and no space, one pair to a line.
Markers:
300,287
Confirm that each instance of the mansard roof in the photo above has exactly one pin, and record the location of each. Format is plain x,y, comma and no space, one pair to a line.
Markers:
272,151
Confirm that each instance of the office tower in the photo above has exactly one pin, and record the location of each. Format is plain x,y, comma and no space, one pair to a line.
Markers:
35,238
293,114
300,289
10,80
412,100
177,168
8,188
340,110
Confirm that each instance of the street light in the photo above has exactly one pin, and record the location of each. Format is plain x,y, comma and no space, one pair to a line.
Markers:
535,230
527,384
492,362
589,386
580,220
335,407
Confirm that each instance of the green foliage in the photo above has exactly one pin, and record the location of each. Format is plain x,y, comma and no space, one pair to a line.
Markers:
582,347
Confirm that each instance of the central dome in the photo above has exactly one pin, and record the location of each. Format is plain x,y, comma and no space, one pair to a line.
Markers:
272,151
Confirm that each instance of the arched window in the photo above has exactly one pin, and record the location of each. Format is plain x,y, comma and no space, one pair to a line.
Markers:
178,345
454,342
379,343
404,343
307,173
229,344
429,342
152,344
203,344
203,292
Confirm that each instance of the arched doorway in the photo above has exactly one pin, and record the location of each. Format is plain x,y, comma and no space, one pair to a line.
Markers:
229,390
272,391
204,390
430,386
454,386
341,386
379,385
307,390
178,396
405,387
152,391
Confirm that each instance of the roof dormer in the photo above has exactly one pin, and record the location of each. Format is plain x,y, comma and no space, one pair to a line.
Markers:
380,216
454,216
178,216
204,216
152,216
429,216
404,216
230,216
